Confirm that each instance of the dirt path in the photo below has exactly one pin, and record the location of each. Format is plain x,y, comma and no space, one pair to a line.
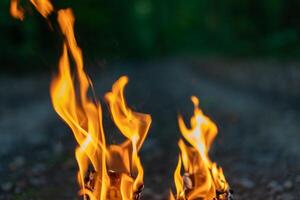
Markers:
258,141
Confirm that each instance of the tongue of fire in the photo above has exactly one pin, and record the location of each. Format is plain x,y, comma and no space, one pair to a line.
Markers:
202,178
115,172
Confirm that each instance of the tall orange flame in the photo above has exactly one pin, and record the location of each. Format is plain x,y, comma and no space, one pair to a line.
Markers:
202,178
84,116
117,170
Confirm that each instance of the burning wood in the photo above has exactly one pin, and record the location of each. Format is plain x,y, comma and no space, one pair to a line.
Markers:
189,187
202,178
114,192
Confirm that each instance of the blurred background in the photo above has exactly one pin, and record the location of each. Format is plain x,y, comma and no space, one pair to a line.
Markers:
241,58
118,30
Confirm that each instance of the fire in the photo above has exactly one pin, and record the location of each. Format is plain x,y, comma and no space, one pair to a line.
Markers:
202,178
106,172
43,6
114,166
114,171
16,10
117,172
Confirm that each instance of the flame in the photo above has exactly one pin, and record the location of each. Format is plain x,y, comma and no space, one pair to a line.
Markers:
43,6
119,173
202,178
133,125
16,10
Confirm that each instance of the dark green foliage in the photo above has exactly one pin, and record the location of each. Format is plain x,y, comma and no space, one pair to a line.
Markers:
146,28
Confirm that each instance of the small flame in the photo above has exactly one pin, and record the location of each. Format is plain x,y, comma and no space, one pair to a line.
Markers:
16,10
202,178
43,6
134,126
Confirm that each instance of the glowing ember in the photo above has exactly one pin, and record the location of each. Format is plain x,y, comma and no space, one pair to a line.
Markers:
202,178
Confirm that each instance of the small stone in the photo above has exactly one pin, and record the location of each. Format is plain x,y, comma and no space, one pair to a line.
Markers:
246,183
288,185
274,187
37,181
17,163
58,148
69,164
157,196
7,186
298,179
286,196
272,184
17,190
20,185
147,191
38,169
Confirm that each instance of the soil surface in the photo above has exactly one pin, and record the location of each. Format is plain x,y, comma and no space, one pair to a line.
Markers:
255,105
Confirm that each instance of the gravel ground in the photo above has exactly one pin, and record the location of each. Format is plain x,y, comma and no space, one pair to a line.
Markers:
254,104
